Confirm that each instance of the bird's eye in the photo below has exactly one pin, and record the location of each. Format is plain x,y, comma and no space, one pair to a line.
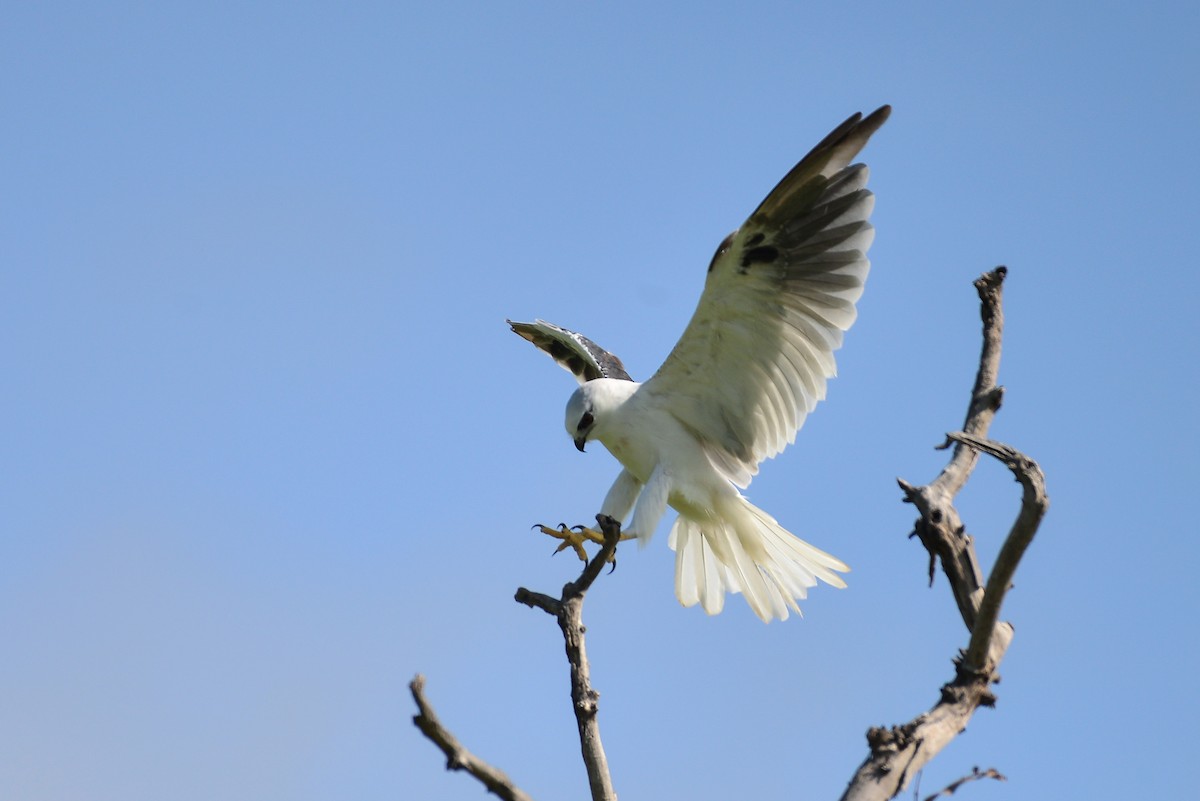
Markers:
585,422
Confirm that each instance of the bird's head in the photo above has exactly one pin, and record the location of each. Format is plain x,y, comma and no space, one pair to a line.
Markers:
581,418
592,404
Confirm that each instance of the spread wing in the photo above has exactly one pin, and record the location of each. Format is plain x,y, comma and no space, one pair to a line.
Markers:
753,361
574,352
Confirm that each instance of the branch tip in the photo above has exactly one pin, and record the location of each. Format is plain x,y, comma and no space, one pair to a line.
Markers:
457,756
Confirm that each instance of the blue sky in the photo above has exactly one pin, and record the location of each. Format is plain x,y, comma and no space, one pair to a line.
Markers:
270,449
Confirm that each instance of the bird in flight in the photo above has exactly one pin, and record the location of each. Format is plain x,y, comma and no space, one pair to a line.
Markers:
751,364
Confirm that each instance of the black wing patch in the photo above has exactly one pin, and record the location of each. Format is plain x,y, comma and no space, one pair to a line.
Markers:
574,352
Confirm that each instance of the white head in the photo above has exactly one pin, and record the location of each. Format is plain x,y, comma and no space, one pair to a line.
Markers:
592,405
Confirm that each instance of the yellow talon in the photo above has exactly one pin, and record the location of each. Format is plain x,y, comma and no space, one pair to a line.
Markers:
575,537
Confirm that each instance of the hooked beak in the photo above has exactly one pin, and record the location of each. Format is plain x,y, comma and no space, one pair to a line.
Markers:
579,443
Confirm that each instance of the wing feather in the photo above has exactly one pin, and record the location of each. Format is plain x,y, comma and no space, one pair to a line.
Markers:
780,293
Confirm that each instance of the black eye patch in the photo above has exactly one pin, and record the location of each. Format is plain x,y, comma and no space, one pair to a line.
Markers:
585,422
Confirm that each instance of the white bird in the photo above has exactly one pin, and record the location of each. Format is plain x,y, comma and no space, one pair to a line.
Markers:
752,363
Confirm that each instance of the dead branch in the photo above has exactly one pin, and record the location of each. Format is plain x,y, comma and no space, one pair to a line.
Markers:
457,756
899,752
568,611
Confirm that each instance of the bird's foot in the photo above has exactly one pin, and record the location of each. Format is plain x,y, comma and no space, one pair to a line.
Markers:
575,536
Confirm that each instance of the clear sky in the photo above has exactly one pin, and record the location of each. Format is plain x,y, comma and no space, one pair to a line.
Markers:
269,449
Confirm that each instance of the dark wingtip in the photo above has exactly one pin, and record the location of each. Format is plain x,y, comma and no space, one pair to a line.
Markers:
876,119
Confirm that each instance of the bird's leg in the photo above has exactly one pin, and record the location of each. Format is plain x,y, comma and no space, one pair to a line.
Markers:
575,536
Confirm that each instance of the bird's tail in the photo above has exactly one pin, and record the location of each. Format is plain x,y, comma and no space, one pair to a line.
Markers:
747,551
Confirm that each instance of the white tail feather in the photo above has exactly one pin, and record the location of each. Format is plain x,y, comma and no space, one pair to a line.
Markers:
748,552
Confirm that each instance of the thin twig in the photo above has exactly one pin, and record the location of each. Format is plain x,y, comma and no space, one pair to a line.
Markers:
457,756
975,775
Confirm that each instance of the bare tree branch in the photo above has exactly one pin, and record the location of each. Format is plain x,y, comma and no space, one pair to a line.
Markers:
897,753
568,611
457,756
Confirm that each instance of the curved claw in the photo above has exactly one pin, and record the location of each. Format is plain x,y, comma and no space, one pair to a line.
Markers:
569,539
574,537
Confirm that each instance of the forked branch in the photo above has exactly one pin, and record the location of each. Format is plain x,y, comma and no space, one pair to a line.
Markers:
568,611
899,752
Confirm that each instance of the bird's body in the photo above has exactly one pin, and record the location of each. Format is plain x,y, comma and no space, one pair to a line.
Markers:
751,364
646,438
723,543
